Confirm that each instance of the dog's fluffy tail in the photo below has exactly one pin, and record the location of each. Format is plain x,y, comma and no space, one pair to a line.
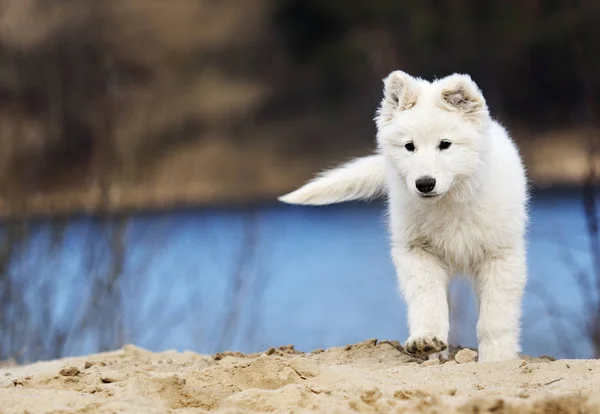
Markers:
360,179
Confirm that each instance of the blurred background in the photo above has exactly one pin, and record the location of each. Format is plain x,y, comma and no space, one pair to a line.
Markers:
143,144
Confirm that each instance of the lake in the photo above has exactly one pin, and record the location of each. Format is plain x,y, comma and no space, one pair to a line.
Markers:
255,277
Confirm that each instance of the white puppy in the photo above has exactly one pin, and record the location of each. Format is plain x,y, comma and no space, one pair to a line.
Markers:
457,196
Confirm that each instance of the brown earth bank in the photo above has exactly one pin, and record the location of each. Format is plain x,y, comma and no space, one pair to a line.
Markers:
219,172
371,376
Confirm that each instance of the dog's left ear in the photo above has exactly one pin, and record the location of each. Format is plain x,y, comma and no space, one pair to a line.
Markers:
400,93
460,94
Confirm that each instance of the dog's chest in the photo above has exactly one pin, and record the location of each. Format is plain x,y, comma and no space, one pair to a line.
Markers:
459,239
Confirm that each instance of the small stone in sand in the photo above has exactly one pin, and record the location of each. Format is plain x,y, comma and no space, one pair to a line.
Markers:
431,362
109,377
69,372
465,355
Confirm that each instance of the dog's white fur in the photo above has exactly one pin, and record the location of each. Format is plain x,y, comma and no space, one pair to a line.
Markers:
474,225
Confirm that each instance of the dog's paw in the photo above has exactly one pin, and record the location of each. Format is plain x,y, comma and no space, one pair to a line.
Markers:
422,346
442,356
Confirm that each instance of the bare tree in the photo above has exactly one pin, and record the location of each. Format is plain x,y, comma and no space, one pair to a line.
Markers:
590,204
238,283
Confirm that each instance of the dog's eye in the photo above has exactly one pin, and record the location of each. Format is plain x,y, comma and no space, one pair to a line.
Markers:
409,146
445,144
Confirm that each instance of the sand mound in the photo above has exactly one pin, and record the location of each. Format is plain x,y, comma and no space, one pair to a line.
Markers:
370,376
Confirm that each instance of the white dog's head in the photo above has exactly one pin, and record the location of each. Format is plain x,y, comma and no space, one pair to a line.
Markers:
433,132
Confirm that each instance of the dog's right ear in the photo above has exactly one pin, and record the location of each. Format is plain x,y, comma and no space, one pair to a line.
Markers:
400,92
461,94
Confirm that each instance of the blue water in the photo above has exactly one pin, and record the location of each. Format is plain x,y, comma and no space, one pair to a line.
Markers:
251,278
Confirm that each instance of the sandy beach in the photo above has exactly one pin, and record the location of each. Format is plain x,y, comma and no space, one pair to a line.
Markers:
371,376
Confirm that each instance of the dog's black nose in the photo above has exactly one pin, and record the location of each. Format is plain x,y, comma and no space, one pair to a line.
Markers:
425,184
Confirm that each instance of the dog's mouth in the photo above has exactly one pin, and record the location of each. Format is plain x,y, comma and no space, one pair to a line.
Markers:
429,195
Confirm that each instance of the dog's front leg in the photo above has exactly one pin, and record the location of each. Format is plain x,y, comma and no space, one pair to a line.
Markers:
424,285
499,288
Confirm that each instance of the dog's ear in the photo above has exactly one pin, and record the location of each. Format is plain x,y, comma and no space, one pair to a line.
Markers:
461,94
400,92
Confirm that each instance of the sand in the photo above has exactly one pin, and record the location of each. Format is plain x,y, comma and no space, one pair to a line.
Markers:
367,377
